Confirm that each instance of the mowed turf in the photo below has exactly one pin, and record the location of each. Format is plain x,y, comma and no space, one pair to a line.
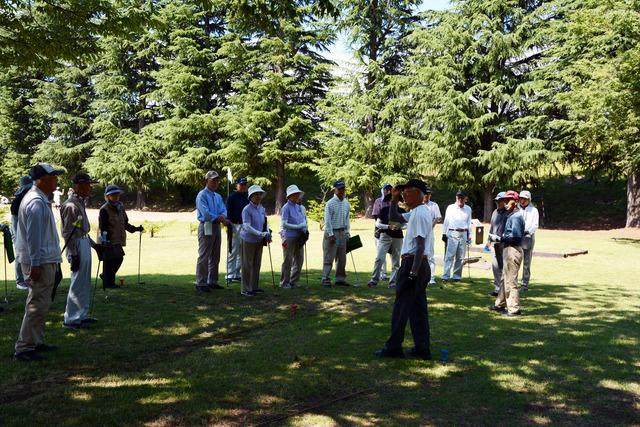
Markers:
165,355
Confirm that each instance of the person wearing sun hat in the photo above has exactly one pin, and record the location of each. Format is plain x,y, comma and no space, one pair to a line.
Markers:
294,224
38,252
112,224
211,212
508,299
25,185
498,218
336,235
254,234
531,223
75,229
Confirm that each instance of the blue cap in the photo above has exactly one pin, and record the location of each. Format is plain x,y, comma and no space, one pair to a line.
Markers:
25,185
112,189
41,170
339,184
500,195
385,186
241,180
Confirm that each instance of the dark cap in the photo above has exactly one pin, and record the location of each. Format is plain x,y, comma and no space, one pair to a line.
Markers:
339,184
384,187
112,189
414,183
41,170
428,190
461,193
25,185
241,180
83,178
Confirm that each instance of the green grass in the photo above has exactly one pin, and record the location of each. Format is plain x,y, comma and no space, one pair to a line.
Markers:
164,355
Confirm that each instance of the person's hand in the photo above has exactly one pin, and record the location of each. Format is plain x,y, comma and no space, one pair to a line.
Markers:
35,273
219,219
75,262
332,239
140,228
469,242
412,278
444,238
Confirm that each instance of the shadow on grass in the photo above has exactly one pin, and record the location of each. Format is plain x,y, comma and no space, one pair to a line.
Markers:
164,355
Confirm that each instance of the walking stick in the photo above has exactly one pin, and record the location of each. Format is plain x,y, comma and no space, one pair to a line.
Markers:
273,276
95,286
140,256
468,263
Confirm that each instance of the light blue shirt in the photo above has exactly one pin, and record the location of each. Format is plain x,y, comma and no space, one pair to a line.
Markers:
209,205
253,220
293,220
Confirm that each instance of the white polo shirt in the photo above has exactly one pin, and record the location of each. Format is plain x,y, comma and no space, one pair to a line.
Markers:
419,224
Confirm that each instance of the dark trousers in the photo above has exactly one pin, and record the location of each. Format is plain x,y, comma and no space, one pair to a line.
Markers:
410,305
112,258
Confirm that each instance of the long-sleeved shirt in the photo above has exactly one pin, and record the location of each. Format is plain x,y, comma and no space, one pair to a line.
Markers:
235,204
498,218
72,214
378,204
293,219
336,215
37,241
254,220
513,228
209,205
457,218
531,219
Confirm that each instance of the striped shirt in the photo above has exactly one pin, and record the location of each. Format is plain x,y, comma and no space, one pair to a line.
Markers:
336,215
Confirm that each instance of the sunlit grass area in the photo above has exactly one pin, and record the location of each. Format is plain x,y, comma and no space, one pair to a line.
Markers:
162,354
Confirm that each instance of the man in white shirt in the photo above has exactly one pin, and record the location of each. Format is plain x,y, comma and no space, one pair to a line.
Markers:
456,232
336,234
436,217
410,304
531,221
56,197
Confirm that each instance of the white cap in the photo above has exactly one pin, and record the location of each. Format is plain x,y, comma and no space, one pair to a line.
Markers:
293,189
525,194
255,188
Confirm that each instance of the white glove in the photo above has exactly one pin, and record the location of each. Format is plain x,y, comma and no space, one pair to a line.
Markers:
494,238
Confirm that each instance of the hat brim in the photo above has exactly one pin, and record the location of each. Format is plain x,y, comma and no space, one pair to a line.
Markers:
114,192
301,193
91,181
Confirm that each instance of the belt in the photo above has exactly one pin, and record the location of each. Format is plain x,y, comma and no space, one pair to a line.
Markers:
338,229
457,229
407,256
513,245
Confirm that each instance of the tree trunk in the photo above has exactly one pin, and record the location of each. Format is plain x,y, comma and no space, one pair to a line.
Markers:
369,198
488,203
280,196
140,199
633,199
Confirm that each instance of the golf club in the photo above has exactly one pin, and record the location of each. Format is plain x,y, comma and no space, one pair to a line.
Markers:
229,245
95,286
139,257
4,251
468,263
273,276
306,264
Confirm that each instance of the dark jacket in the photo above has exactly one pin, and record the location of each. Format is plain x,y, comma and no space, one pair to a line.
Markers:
113,219
235,204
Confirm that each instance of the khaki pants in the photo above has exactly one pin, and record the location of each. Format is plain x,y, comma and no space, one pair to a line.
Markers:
293,261
36,308
208,256
251,260
334,251
508,295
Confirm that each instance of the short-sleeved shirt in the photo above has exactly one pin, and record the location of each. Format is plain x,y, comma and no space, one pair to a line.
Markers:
419,225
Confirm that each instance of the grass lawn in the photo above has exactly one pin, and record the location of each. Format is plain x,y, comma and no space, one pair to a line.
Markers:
164,355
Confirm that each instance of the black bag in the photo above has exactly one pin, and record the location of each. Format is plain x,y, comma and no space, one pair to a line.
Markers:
353,243
304,238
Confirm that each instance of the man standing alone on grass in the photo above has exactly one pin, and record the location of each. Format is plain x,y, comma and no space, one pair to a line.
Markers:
436,217
211,212
336,234
456,231
235,204
411,298
75,231
508,300
381,202
498,218
38,252
531,220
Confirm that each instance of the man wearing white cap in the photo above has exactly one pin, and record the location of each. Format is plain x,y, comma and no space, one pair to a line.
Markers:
294,224
531,221
211,212
38,252
498,218
255,235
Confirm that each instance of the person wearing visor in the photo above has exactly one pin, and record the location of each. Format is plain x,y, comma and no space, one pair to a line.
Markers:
112,224
75,231
25,185
410,303
456,232
38,252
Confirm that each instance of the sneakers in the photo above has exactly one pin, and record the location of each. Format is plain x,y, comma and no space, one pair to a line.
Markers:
342,284
496,308
75,326
258,291
372,284
89,320
514,314
22,286
326,285
287,286
28,356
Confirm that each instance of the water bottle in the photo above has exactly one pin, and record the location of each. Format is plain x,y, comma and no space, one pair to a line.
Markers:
444,355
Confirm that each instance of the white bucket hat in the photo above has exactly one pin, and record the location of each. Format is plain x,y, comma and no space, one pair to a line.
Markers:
255,188
293,189
525,194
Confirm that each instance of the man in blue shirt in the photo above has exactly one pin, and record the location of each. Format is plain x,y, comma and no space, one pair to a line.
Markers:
211,213
235,204
508,300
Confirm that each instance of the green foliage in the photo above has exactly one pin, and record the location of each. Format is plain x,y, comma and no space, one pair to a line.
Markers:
154,227
315,210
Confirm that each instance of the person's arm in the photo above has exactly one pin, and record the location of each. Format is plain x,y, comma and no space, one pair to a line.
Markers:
103,223
535,219
246,225
395,215
468,209
203,207
34,228
285,215
417,259
328,227
380,225
445,223
130,228
221,208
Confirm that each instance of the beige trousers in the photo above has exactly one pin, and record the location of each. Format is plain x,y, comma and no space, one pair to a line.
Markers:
36,308
251,260
508,295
